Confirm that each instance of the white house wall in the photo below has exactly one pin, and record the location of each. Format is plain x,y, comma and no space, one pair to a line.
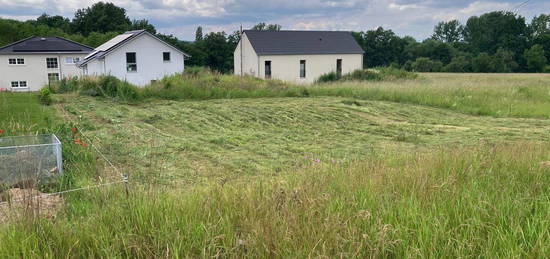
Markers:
34,71
287,67
150,64
250,59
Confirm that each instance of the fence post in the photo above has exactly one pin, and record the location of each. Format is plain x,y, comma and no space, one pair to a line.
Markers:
125,180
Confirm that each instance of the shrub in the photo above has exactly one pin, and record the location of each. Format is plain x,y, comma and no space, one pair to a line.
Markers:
329,77
67,85
426,65
377,74
45,96
546,69
110,86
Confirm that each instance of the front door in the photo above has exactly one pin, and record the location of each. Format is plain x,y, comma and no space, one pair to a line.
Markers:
268,69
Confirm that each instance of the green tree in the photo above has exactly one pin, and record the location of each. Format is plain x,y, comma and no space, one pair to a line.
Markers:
536,61
424,64
198,34
266,27
483,63
219,53
540,25
459,64
382,47
504,61
56,21
494,30
451,31
143,25
101,17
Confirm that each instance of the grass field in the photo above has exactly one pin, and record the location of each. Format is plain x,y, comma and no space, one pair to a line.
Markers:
432,167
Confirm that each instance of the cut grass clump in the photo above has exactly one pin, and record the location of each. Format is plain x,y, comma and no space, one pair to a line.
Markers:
110,86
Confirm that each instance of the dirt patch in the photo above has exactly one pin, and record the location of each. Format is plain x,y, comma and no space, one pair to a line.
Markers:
17,203
545,164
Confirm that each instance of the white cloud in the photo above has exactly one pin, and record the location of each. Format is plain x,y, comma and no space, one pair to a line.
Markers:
181,17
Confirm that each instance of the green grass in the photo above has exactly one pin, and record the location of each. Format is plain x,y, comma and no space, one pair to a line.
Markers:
484,201
22,113
197,140
385,169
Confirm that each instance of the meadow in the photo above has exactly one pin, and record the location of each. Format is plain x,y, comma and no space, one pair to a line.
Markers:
444,165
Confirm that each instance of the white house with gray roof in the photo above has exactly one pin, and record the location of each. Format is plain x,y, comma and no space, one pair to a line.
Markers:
34,62
296,56
138,57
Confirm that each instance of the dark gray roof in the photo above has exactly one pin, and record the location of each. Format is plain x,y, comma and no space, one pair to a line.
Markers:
48,44
303,42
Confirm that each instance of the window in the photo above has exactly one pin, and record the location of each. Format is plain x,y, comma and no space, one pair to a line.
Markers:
71,60
166,56
19,84
302,69
51,63
16,61
268,69
339,67
53,78
131,65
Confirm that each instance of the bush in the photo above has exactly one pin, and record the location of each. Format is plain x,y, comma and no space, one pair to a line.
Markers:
377,74
110,86
45,96
546,69
426,65
329,77
67,85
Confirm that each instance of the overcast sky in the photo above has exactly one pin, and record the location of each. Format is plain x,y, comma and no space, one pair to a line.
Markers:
181,17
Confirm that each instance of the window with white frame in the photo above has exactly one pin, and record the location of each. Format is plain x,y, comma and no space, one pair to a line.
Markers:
18,84
51,63
71,60
16,61
131,62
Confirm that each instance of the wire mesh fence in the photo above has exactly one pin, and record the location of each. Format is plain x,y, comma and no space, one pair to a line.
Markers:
29,159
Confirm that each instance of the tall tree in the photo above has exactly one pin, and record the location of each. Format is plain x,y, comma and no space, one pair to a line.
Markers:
382,47
540,25
536,61
266,27
494,30
56,21
101,17
198,34
450,32
143,24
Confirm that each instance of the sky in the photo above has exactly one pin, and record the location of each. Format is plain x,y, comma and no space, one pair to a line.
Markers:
181,17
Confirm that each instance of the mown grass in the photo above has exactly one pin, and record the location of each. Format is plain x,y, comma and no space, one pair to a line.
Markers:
484,201
231,139
497,95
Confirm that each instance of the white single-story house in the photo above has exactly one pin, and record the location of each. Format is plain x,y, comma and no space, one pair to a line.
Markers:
296,56
32,63
138,57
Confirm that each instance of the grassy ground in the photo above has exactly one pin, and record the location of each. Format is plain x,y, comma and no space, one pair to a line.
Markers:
386,169
231,139
483,201
21,113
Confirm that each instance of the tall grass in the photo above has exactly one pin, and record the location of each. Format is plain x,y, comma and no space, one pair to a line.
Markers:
485,201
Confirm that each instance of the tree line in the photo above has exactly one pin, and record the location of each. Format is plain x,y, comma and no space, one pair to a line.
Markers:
493,42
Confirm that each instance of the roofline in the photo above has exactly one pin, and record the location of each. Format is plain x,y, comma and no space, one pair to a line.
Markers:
28,38
292,31
320,53
13,43
122,43
49,52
